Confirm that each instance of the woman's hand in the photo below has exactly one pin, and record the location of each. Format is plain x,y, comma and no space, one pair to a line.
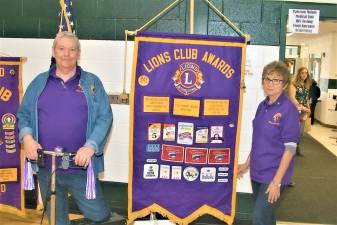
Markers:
242,169
30,147
83,156
273,192
306,110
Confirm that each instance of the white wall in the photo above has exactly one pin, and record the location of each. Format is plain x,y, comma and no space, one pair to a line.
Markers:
257,58
326,44
105,58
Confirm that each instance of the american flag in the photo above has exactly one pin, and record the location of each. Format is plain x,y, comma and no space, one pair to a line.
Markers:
66,17
66,21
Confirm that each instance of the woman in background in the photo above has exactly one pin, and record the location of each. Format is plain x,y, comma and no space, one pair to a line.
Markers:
299,94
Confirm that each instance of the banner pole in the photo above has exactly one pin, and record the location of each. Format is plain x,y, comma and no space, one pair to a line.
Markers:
191,16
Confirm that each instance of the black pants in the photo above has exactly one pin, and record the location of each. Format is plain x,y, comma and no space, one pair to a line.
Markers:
312,109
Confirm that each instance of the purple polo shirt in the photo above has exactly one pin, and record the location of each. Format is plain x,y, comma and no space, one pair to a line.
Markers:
62,114
274,126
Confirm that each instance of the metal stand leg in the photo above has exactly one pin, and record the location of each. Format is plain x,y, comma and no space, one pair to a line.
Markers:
53,193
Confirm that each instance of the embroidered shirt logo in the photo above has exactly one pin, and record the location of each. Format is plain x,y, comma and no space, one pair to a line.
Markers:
188,78
276,119
79,88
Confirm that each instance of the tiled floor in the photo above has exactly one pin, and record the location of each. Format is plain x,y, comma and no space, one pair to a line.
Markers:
326,136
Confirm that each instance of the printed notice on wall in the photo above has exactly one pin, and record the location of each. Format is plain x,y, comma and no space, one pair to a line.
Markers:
303,21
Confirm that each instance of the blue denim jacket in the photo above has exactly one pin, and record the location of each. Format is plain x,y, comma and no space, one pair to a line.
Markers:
99,114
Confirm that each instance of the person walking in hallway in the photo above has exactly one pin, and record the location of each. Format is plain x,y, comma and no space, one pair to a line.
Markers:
315,94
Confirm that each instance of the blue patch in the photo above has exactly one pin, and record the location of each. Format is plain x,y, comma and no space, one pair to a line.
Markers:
153,147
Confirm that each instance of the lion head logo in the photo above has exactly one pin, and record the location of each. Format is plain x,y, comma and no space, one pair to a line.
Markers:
188,78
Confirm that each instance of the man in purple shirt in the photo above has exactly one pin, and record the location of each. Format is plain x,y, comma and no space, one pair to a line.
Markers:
68,108
275,134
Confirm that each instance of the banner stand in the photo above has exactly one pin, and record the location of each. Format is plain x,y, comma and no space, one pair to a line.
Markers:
154,102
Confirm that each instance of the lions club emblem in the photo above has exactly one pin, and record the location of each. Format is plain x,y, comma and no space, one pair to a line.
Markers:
188,78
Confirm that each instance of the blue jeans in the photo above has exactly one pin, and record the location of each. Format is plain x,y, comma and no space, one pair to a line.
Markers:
263,212
75,184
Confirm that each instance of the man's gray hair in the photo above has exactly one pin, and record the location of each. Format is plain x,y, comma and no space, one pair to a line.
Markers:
66,34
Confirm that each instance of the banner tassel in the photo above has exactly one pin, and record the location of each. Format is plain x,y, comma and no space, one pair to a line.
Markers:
28,180
90,188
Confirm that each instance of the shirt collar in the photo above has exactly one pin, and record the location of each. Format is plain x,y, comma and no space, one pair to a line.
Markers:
279,100
52,73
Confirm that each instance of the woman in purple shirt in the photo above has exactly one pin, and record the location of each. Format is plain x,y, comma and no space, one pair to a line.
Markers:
275,135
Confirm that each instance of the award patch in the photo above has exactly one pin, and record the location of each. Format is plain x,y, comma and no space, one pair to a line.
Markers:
176,172
185,133
191,173
153,147
219,156
196,155
169,132
201,135
164,172
154,131
172,153
207,174
216,134
150,171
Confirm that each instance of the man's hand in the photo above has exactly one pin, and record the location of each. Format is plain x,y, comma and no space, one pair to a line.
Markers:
30,147
83,156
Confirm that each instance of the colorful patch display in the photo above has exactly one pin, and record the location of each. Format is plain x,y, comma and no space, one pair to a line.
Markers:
196,155
172,153
219,156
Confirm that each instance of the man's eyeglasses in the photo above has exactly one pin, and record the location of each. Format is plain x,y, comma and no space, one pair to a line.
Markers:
266,80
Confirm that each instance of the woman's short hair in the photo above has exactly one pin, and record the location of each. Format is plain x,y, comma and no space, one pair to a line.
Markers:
66,34
278,67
